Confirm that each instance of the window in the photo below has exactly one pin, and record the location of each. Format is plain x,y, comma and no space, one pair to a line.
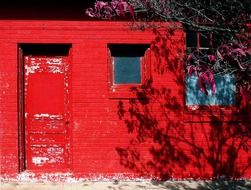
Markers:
204,43
128,67
127,70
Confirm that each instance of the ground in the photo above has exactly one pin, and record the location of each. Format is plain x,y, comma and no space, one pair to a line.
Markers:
132,185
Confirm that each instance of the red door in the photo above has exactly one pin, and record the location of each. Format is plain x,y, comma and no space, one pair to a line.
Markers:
47,116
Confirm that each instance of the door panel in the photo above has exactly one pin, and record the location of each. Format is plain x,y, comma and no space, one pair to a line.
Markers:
46,96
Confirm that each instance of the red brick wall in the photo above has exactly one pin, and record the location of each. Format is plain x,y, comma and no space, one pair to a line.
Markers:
159,137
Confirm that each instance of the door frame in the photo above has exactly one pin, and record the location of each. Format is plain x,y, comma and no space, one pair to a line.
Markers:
21,114
21,50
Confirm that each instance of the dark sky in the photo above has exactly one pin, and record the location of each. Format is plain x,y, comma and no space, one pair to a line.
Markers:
45,9
45,3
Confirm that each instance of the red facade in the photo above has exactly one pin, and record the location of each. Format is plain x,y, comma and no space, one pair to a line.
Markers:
62,111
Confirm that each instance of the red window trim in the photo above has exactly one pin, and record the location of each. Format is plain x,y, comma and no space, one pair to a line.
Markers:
125,90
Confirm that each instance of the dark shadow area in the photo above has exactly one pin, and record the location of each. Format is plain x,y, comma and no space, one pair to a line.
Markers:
45,49
128,50
224,185
45,10
206,185
170,140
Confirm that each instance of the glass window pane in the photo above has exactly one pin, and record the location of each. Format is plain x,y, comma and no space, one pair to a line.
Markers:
216,40
225,91
204,39
191,39
127,70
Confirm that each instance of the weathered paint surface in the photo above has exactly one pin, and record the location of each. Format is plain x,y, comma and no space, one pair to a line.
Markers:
112,135
46,96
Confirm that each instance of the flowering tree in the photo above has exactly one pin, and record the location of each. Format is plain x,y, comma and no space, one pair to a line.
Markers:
228,19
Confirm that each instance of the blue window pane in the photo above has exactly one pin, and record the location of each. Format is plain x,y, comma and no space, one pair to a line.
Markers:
127,70
225,91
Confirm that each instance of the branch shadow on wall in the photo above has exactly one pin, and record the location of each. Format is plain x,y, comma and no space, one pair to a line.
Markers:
169,140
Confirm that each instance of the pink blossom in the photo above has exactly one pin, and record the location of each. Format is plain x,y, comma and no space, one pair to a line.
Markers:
211,58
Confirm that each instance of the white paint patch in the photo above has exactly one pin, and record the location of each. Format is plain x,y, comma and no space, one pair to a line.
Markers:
44,64
31,69
55,150
26,177
47,115
41,115
39,160
193,107
69,178
56,117
55,69
54,61
56,160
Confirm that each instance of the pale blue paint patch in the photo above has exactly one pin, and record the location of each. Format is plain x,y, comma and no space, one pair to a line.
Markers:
225,91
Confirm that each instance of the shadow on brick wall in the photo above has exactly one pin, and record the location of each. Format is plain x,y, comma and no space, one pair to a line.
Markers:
171,141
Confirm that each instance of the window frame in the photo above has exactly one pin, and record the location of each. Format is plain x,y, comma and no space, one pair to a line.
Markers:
125,90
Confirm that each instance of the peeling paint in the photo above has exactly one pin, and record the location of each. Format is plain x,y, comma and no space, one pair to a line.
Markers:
55,150
39,160
50,121
46,140
54,61
55,69
68,177
51,155
47,115
46,64
31,69
56,160
41,115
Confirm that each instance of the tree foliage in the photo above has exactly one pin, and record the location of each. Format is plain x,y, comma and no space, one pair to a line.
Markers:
210,138
228,19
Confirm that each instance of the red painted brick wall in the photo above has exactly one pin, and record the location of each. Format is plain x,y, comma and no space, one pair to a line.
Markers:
155,137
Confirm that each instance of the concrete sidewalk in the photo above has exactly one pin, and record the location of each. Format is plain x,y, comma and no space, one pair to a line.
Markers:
132,185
